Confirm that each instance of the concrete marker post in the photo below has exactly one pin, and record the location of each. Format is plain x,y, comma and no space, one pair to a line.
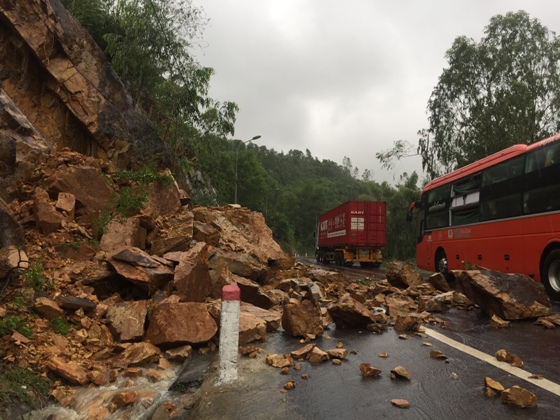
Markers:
229,333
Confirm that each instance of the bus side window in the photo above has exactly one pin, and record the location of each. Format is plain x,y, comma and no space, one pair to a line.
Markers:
543,172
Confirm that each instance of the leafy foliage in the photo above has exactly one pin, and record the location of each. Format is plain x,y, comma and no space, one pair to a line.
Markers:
36,278
498,92
60,326
17,324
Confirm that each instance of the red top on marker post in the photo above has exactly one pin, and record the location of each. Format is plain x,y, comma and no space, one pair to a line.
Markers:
231,292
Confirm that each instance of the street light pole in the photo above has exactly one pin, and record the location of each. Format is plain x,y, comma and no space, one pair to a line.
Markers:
237,159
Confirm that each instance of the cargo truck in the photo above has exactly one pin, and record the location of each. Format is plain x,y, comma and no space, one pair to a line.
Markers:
352,232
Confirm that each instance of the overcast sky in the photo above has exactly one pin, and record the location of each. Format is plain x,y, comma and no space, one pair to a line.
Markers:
340,78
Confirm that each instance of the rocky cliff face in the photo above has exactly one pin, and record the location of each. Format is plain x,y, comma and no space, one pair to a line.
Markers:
61,91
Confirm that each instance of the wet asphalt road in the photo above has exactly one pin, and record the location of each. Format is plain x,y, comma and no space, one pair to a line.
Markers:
437,389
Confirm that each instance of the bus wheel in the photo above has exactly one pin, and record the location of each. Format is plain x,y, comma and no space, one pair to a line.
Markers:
550,274
442,265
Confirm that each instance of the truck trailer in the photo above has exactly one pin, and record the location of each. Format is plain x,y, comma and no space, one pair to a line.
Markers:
352,232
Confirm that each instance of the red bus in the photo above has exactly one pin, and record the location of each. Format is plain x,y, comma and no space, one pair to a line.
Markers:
501,212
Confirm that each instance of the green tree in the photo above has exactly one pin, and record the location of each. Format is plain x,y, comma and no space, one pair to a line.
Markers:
498,92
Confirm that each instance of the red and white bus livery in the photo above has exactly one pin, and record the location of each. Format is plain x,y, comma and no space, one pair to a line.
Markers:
501,212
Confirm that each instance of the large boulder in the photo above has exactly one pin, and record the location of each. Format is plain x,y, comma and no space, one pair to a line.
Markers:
140,268
192,280
509,296
302,319
401,274
127,320
245,232
173,324
347,312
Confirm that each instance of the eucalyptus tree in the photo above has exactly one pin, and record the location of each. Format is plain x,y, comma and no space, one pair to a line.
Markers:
500,91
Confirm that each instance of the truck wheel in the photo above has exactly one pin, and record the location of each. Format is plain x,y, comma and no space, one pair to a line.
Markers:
550,274
340,259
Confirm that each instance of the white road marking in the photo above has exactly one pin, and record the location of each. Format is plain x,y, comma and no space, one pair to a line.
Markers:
520,373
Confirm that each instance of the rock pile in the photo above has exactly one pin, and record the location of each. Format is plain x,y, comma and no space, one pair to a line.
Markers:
110,290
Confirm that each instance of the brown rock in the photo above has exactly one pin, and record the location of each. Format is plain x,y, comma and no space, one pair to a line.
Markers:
137,354
66,203
439,281
99,374
279,360
505,356
337,353
47,308
84,182
203,232
519,397
400,403
497,322
399,305
303,352
139,268
132,373
436,354
12,258
220,277
78,102
400,372
327,277
290,385
251,328
123,233
246,231
273,318
347,312
401,274
192,279
492,384
251,293
174,324
175,234
180,354
240,264
164,197
368,370
409,322
127,319
69,370
316,355
48,220
433,303
124,398
509,296
302,319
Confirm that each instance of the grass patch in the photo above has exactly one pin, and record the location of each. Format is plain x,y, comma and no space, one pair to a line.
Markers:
60,326
19,386
36,278
15,323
